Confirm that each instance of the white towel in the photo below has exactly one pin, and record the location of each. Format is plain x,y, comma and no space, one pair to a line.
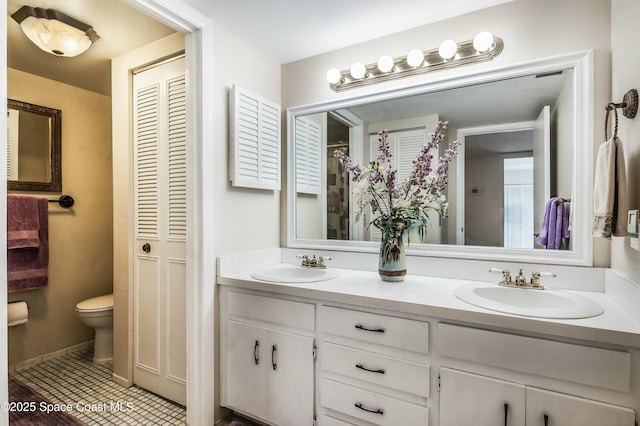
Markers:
610,202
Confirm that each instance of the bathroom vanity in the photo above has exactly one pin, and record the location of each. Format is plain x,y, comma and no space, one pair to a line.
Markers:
356,350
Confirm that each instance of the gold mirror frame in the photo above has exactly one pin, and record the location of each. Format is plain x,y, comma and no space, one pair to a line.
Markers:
55,140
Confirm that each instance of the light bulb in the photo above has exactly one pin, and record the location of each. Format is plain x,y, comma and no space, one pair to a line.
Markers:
415,58
358,71
448,49
334,76
483,41
385,64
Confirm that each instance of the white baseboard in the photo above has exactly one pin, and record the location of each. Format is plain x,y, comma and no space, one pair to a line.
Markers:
121,381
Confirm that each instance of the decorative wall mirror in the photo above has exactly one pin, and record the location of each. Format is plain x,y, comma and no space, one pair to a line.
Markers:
34,144
525,131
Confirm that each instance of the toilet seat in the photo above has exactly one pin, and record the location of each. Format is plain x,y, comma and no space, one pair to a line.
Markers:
96,304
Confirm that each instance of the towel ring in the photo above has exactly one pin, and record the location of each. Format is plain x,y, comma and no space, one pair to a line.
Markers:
606,121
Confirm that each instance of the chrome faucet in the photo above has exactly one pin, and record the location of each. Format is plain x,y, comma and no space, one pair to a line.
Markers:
313,262
520,281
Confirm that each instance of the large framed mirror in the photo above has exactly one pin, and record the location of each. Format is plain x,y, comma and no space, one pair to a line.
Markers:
34,144
526,133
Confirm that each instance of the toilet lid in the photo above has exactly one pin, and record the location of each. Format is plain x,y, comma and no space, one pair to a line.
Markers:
100,303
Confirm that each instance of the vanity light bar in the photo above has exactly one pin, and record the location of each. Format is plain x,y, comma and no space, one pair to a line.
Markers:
423,61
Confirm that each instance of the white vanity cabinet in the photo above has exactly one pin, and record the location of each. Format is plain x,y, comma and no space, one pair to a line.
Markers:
470,398
467,398
268,362
373,368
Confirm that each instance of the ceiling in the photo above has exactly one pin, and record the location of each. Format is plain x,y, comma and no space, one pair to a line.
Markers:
287,30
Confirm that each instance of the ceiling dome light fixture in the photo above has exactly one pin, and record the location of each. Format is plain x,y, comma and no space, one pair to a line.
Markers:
448,49
450,54
483,41
415,58
55,32
358,71
385,64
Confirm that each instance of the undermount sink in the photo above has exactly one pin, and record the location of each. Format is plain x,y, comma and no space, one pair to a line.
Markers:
293,274
531,303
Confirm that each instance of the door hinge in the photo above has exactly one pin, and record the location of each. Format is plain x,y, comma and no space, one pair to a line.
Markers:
438,387
315,351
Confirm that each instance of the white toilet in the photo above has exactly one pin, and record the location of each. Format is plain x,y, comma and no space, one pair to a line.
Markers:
97,312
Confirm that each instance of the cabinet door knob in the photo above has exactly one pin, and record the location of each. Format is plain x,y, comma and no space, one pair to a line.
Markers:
274,361
256,355
363,408
375,330
146,248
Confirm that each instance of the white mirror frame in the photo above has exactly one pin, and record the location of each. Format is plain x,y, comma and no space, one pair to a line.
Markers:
582,167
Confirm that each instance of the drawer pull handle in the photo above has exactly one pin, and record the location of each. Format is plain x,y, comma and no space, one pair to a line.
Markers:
362,367
506,413
376,411
375,330
256,357
546,420
274,361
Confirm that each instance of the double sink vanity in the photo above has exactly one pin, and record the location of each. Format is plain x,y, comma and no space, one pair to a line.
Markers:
339,346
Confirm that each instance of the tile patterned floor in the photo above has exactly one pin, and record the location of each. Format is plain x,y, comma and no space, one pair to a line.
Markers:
74,379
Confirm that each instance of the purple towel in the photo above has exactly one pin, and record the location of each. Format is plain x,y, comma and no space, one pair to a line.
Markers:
27,266
543,238
23,222
555,225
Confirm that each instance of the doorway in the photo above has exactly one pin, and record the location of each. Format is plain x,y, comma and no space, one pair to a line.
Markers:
200,298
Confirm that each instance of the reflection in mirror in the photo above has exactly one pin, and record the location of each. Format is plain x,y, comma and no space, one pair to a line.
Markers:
518,133
33,147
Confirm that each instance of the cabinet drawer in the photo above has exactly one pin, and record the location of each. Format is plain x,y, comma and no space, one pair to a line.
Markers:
391,372
330,421
587,365
269,309
370,406
380,329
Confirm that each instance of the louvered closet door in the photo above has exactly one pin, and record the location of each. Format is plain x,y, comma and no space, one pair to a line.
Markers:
160,230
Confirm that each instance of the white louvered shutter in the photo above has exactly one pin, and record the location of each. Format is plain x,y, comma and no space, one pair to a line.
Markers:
146,160
255,141
405,146
177,161
408,144
308,156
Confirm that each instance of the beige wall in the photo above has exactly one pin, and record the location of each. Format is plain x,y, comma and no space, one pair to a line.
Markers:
80,238
625,34
531,29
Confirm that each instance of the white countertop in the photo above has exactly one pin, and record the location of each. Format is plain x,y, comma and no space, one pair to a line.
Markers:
434,297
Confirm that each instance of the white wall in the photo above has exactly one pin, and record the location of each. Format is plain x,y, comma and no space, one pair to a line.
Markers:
531,29
246,219
625,33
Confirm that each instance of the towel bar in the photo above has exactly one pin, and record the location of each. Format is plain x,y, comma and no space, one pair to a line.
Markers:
65,201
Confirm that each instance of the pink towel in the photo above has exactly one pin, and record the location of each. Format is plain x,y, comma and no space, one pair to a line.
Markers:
27,266
23,222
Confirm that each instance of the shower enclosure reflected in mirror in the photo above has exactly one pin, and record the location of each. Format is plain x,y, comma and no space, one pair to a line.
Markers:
34,143
519,128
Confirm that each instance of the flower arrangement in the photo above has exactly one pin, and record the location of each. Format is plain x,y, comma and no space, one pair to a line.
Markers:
397,204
